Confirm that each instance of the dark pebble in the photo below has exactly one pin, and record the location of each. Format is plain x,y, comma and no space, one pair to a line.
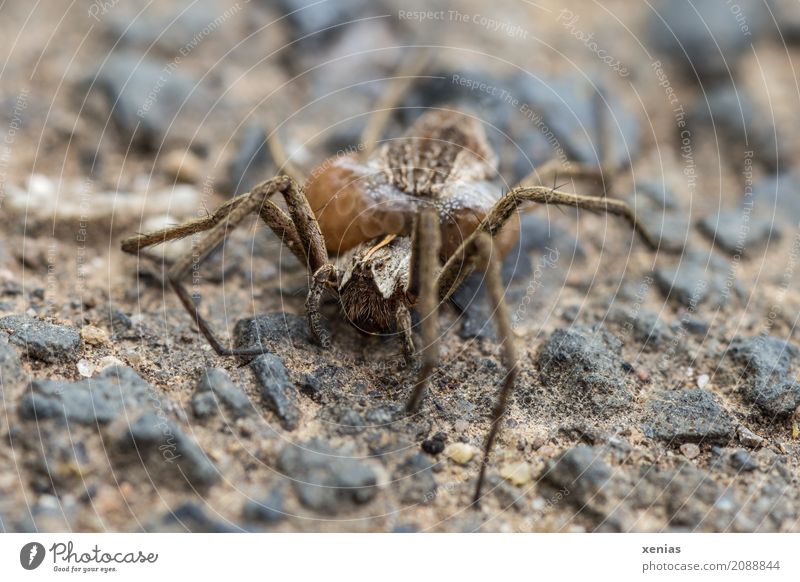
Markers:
415,480
216,387
698,278
738,233
268,510
114,392
435,445
270,330
278,392
41,340
325,479
768,383
688,416
584,364
168,454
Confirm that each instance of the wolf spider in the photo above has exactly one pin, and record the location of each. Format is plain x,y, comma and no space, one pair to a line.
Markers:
407,223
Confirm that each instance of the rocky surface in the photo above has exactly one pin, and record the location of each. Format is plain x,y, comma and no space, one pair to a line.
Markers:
657,390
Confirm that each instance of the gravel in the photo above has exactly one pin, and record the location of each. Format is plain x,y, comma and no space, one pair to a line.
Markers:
414,480
738,233
41,340
278,392
11,372
326,479
688,416
269,510
768,385
698,278
214,389
116,391
167,454
585,366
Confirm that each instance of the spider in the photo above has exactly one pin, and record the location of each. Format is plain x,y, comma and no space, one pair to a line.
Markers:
406,223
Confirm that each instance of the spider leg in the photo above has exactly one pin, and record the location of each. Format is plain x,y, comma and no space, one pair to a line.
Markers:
427,242
404,326
461,264
489,262
299,230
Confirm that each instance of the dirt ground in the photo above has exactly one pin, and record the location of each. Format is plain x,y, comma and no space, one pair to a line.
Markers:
657,388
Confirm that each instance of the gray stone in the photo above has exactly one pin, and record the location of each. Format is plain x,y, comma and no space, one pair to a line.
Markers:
688,416
115,391
278,392
146,100
168,454
251,162
216,388
41,340
775,198
742,460
325,479
669,229
190,517
581,473
728,113
415,481
701,36
768,384
646,327
268,510
739,233
697,278
586,365
11,372
270,330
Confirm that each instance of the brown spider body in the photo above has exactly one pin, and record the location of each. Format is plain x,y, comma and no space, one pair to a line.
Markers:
444,160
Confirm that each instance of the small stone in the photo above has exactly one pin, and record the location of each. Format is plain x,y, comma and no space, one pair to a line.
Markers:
41,340
97,400
743,461
325,479
461,453
516,473
698,277
11,371
85,368
169,455
739,233
268,510
703,380
581,472
415,480
190,517
182,166
748,438
690,450
268,330
214,388
688,416
278,392
109,361
699,37
434,445
767,361
584,363
94,335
